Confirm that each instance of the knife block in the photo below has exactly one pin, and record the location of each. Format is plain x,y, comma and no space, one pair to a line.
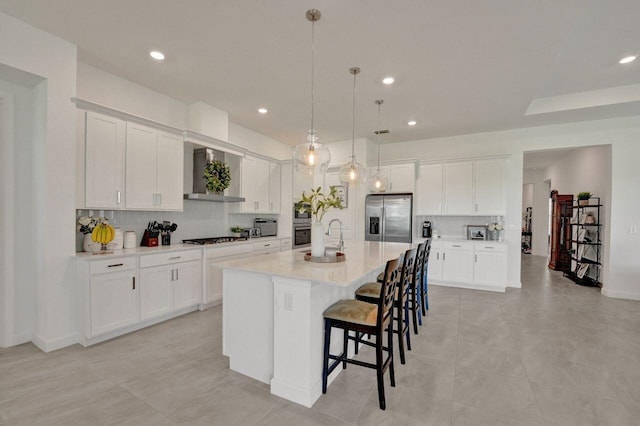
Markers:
149,239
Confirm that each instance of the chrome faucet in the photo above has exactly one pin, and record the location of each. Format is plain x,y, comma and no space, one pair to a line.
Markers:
341,243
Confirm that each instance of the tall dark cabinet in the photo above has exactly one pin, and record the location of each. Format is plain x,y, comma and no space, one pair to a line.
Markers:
561,212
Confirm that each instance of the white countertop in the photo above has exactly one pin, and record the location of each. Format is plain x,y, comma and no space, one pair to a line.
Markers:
361,258
160,249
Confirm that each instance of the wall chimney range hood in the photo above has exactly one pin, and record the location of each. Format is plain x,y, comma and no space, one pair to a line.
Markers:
200,158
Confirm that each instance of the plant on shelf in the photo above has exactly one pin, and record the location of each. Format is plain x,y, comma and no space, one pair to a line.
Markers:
217,175
583,198
494,230
236,230
318,203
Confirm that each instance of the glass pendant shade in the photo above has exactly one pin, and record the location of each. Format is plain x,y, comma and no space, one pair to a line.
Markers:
352,173
379,183
311,157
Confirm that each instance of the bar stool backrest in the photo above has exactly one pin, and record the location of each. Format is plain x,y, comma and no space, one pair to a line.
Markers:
387,291
407,273
418,265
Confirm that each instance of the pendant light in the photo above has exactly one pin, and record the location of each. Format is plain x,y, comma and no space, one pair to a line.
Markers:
380,181
311,156
353,173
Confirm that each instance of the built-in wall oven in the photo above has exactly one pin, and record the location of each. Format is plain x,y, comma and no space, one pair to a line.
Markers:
301,229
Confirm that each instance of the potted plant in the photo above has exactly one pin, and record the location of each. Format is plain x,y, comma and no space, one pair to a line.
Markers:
494,231
317,203
583,198
237,230
217,175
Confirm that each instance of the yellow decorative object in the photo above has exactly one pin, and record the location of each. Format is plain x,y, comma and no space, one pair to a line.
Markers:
103,233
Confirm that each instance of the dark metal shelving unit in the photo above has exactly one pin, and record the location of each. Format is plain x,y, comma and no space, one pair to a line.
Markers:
585,270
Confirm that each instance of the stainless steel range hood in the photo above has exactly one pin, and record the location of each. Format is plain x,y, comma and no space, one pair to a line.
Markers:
200,158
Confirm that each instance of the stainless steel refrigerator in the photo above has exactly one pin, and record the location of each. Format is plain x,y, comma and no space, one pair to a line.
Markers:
388,218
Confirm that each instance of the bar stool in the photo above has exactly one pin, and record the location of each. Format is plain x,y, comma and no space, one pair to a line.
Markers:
364,318
415,290
370,292
424,297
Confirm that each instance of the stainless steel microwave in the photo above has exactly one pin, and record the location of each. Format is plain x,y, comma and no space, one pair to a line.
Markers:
267,227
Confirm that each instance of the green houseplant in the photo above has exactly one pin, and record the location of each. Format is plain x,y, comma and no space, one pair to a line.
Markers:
583,198
217,175
237,230
317,203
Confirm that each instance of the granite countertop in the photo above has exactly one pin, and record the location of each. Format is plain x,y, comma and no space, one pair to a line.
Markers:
362,258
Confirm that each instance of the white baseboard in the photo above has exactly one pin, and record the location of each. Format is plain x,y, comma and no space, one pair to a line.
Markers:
54,344
514,284
205,306
629,295
498,289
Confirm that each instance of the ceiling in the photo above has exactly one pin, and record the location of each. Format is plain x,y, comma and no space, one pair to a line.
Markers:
460,66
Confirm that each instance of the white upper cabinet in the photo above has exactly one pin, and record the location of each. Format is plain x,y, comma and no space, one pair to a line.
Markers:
154,169
462,188
170,175
429,190
490,187
260,185
458,188
401,177
104,162
275,185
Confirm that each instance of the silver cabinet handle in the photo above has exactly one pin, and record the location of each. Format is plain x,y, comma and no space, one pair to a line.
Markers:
175,257
177,274
159,199
118,196
457,245
476,206
476,258
134,283
438,256
153,197
115,265
490,248
267,245
444,256
172,274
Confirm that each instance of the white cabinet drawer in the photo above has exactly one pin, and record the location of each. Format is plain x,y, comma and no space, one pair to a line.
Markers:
490,246
266,245
170,257
286,242
233,250
457,245
112,265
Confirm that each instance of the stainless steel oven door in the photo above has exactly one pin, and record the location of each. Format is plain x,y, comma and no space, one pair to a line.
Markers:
301,236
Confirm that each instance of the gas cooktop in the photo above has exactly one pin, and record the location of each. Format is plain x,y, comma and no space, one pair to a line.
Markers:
213,240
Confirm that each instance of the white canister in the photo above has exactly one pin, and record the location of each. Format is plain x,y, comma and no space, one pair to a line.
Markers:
118,240
130,239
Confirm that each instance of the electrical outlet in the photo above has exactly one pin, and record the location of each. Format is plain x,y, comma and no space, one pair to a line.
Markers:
288,302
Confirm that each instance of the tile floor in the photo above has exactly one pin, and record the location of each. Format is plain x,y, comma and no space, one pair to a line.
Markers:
551,353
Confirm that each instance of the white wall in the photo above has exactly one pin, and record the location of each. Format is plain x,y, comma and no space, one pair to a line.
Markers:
52,190
107,89
259,144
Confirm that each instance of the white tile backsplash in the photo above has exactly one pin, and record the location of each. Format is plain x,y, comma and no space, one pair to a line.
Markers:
199,219
453,226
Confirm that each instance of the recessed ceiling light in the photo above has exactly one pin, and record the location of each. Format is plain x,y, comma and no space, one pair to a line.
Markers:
412,123
388,80
262,110
627,59
157,55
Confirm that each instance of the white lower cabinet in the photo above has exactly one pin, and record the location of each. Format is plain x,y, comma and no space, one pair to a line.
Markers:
490,264
175,283
119,295
434,268
113,301
472,264
457,262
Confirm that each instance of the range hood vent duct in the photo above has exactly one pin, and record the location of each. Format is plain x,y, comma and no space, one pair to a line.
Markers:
201,157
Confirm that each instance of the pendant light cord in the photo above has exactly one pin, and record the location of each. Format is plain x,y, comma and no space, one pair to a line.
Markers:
379,102
313,26
353,131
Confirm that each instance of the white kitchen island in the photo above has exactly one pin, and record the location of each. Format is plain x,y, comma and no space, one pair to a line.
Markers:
272,313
